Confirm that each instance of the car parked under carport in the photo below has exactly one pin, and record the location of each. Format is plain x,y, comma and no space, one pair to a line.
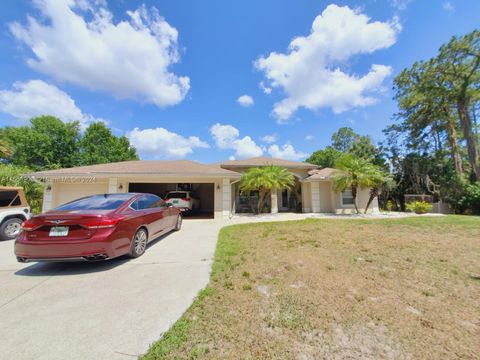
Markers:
205,192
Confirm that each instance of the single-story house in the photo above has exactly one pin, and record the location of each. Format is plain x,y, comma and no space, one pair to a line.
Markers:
216,185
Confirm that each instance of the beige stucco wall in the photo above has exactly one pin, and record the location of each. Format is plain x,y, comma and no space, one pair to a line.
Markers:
63,192
306,198
325,197
326,200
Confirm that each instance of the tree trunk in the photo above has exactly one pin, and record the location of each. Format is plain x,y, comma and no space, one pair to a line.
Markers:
469,138
354,195
373,195
452,139
261,200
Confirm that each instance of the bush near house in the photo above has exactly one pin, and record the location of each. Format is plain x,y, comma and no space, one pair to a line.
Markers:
419,207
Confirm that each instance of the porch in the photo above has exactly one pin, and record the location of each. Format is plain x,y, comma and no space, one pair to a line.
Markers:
286,200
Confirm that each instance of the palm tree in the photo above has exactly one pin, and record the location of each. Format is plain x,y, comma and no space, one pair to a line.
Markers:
353,173
266,179
377,179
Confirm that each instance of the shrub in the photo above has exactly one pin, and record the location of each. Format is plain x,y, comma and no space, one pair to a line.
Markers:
470,200
453,191
419,207
389,205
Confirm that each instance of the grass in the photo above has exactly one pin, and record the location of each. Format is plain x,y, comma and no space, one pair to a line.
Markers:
390,289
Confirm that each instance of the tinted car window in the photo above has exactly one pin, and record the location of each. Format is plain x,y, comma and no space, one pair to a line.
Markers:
6,197
148,202
134,205
96,202
159,204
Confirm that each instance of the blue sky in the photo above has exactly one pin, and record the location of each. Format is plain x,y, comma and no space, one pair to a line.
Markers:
211,80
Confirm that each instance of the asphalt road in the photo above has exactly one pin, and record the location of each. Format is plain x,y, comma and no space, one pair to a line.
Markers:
109,310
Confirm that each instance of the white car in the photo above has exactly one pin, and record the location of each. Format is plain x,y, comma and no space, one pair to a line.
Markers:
14,210
184,200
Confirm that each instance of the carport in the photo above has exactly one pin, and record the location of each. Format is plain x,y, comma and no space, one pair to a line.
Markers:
205,192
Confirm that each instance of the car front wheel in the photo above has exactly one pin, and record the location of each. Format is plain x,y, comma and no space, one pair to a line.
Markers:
10,229
178,224
139,243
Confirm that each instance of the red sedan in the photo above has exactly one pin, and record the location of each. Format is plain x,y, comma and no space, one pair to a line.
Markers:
96,227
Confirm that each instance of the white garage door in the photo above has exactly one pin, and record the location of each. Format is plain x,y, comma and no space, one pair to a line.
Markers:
64,193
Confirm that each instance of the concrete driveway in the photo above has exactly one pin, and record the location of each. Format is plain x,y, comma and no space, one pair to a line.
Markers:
110,310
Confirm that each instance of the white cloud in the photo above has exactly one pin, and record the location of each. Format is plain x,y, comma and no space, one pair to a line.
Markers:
286,151
448,6
245,100
267,90
309,137
227,137
36,97
310,73
269,139
160,143
400,4
77,41
224,135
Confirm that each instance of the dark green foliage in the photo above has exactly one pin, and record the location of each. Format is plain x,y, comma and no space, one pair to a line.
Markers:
98,146
325,158
343,139
48,143
347,142
470,200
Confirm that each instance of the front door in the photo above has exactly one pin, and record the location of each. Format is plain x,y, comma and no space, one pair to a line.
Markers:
284,199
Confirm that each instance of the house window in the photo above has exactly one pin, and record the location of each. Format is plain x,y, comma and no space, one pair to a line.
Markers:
347,197
247,200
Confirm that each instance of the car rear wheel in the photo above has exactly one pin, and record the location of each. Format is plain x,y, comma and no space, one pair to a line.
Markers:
10,229
178,224
139,243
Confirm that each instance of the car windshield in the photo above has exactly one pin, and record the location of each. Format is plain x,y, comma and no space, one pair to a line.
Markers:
177,195
96,202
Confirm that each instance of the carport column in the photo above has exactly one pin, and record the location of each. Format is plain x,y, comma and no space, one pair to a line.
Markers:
47,197
112,185
315,186
226,198
274,201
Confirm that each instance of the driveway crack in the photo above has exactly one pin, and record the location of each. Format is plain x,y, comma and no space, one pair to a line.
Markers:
26,291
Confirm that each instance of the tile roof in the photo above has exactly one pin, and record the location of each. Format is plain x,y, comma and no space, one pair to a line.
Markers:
263,160
320,174
146,167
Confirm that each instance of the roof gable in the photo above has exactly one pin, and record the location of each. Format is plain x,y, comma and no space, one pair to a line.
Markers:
321,174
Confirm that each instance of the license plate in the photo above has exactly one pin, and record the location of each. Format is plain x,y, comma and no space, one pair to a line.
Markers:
175,201
59,231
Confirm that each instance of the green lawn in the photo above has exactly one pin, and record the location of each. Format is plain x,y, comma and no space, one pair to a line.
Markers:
390,289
